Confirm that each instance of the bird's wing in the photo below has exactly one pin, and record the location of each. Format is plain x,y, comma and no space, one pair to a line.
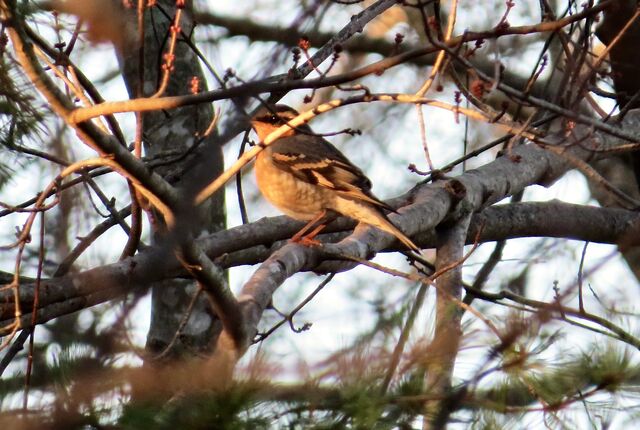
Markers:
316,161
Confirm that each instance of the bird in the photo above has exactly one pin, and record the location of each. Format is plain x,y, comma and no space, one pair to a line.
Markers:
307,178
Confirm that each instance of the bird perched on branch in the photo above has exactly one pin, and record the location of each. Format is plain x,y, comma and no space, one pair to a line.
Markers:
307,178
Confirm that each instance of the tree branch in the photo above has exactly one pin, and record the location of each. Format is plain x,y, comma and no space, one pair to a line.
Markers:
440,356
422,209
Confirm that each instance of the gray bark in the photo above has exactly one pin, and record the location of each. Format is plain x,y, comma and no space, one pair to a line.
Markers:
169,134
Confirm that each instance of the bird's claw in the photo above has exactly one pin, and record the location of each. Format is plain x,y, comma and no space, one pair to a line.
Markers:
306,241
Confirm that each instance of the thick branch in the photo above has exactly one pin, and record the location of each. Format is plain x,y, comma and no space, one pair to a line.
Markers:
439,359
425,207
246,245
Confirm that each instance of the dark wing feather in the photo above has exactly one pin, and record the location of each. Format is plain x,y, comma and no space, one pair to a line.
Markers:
316,161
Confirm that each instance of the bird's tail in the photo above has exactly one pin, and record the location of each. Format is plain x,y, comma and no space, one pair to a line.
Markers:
363,210
385,224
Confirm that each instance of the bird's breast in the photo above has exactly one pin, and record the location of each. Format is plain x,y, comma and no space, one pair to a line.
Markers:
295,197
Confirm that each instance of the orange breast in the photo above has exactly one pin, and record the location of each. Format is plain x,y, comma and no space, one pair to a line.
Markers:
296,198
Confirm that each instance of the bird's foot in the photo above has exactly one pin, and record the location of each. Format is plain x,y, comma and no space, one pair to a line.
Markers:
306,241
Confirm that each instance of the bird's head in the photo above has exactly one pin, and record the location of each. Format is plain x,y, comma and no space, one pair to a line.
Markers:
271,117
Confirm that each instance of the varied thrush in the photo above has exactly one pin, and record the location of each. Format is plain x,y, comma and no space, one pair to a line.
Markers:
306,177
